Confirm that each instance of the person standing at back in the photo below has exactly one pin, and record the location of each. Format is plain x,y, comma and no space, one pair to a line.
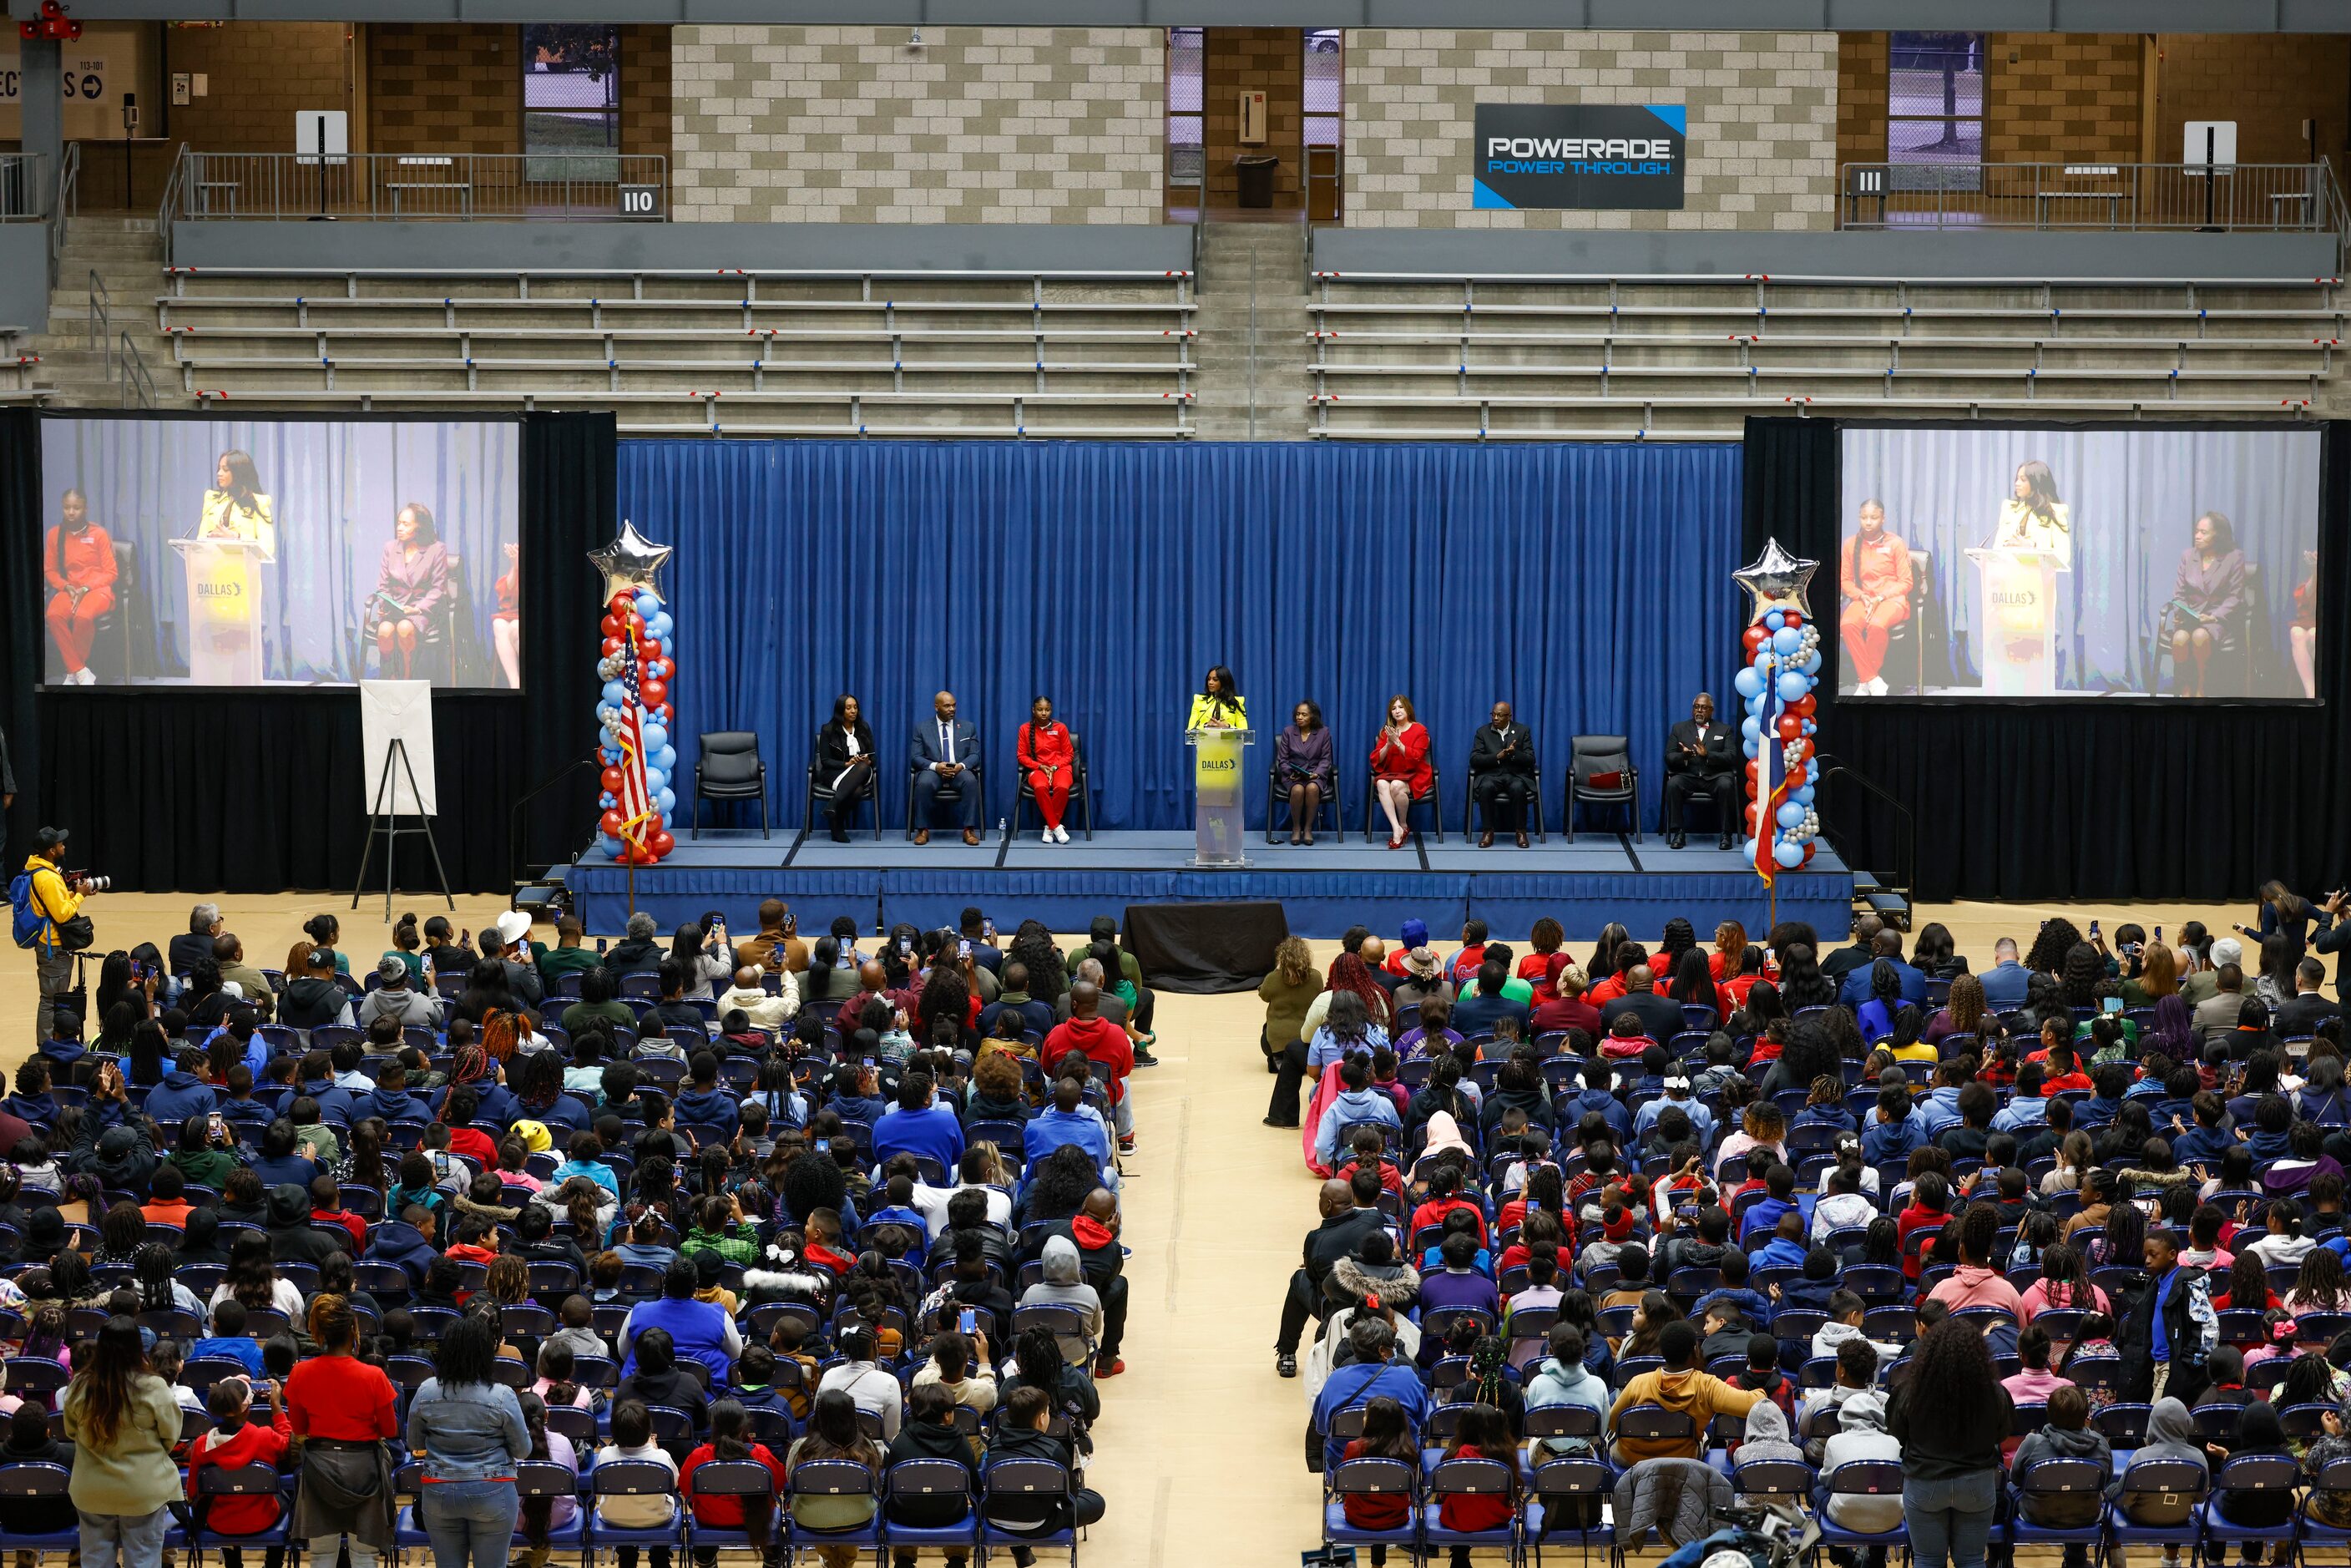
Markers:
122,1420
468,1430
1951,1415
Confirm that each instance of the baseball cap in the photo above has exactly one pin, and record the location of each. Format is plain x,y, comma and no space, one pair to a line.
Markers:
49,838
392,970
322,957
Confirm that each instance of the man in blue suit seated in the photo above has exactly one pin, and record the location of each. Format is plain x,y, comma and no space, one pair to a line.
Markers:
1885,944
945,756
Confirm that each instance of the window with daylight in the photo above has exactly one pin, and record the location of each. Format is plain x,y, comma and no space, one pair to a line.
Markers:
1187,149
1935,98
571,99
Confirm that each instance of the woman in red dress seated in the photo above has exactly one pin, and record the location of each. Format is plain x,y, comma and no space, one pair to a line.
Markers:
1400,770
1048,760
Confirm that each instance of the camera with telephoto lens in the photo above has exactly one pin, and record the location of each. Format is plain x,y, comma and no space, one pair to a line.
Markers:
89,882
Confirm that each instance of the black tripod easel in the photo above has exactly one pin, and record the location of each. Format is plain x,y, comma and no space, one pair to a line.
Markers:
383,820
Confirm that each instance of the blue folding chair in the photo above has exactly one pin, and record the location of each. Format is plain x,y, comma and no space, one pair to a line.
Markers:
1017,1486
1471,1478
631,1477
934,1484
2172,1492
1371,1478
2276,1475
2332,1483
1862,1478
2050,1479
30,1480
748,1480
215,1482
836,1479
1563,1494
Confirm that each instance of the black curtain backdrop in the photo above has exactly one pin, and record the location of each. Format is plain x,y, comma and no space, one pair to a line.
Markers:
207,791
2073,799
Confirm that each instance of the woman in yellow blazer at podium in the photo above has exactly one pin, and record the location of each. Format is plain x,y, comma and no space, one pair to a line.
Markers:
2033,518
234,507
1217,706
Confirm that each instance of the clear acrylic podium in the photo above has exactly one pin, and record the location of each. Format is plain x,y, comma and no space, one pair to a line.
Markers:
1217,831
224,609
2019,618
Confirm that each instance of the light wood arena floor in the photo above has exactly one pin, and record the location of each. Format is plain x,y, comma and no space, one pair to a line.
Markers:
1199,1451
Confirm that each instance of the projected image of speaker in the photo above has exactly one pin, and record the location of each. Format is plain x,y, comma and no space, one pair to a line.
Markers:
2065,564
281,552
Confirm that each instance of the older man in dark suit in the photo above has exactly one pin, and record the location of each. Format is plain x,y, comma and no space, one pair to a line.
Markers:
1702,756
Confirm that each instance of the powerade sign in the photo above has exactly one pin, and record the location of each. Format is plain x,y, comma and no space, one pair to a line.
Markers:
1580,155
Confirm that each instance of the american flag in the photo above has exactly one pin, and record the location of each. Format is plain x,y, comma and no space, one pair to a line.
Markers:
1770,776
638,816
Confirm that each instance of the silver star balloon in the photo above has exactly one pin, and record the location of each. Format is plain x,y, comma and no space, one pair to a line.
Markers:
1777,581
630,561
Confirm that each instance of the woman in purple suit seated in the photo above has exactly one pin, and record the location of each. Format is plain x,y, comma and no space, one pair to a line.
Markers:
411,586
1302,766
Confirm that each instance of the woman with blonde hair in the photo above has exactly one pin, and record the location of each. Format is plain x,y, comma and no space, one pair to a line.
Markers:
1729,951
1286,993
2157,976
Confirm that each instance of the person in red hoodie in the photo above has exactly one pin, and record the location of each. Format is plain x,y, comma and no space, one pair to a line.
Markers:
326,1208
730,1438
465,1138
233,1443
1929,1210
1087,1032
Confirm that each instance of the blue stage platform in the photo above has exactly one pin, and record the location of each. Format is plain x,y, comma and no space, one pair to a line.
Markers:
1583,883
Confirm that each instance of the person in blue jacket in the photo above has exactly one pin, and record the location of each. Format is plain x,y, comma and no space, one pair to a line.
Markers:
183,1092
919,1125
704,1104
1373,1373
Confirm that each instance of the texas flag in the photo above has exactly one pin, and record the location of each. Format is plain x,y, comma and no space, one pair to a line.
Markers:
1771,777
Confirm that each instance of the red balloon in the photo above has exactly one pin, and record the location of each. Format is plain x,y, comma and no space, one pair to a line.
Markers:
668,715
661,842
622,600
612,645
612,781
611,628
1792,618
1810,845
608,824
1753,638
1790,726
1804,706
655,693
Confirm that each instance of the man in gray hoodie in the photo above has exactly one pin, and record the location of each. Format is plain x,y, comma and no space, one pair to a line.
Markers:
2171,1434
1064,1285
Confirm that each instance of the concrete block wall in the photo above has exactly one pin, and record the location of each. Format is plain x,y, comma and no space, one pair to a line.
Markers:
1762,120
977,125
2062,98
260,76
2269,83
443,88
645,105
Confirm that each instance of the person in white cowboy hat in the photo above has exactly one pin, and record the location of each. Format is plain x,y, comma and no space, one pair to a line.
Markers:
507,939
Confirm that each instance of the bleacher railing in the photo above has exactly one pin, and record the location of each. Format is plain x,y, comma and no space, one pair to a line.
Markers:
2260,197
25,190
408,186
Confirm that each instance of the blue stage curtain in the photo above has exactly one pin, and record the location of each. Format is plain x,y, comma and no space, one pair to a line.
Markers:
1588,584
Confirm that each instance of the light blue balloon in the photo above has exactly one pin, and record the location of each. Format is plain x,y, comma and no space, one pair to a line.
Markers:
1774,620
668,802
607,801
1747,848
647,601
661,625
1803,797
1788,855
1793,686
1748,683
656,737
1812,728
610,845
615,693
1789,814
605,713
654,779
1748,746
609,755
666,760
1811,663
1752,727
1787,639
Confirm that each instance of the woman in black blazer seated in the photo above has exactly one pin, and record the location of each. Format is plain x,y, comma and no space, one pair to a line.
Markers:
844,762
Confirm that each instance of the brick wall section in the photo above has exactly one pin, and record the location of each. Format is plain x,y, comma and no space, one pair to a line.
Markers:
1861,64
2062,98
436,87
644,90
1241,59
979,125
2268,84
1762,120
261,74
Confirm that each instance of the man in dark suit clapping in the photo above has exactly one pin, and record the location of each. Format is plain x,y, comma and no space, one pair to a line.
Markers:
1502,773
1700,755
945,754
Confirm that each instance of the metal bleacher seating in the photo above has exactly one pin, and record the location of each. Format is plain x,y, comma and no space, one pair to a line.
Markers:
679,354
1421,356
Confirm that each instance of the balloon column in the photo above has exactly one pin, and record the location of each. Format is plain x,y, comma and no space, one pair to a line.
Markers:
637,664
1784,664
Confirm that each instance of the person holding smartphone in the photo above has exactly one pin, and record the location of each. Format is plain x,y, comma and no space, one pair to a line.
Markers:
778,947
959,1363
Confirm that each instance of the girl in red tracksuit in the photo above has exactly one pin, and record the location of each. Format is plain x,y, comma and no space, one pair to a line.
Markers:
1385,1437
1484,1434
730,1438
233,1443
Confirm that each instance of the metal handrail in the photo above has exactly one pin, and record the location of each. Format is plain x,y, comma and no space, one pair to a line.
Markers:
164,209
2277,198
66,202
102,321
1906,824
132,377
518,825
423,184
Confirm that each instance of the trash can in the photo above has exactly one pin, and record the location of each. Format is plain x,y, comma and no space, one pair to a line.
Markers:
1257,178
